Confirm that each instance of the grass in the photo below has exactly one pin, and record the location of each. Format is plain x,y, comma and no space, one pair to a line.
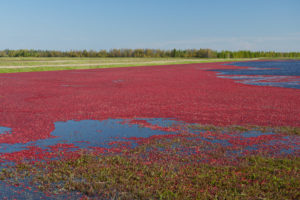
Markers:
287,130
31,64
284,58
148,172
116,176
11,65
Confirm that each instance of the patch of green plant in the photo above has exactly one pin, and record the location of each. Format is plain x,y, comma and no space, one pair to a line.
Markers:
47,64
237,128
143,173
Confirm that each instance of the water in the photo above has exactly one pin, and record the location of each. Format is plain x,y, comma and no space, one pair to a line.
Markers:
265,73
87,134
25,191
282,68
92,133
250,134
4,130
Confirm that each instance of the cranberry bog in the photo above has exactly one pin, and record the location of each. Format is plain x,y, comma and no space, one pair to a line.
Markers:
186,131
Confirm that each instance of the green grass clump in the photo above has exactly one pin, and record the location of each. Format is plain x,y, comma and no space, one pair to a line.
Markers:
288,130
166,175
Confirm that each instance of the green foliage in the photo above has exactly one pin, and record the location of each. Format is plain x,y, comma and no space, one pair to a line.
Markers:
143,173
148,53
287,130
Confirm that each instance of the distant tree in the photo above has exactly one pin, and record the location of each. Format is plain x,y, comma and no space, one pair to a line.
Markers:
3,54
187,53
102,53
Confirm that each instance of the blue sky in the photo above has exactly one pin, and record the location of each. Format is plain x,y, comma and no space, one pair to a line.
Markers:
165,24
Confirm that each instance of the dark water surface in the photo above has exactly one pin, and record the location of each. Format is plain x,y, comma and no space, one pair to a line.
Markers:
91,133
284,73
4,130
86,134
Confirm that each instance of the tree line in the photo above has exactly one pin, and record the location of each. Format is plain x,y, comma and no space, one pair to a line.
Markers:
147,53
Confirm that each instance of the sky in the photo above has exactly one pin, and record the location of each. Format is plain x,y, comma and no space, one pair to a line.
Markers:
166,24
